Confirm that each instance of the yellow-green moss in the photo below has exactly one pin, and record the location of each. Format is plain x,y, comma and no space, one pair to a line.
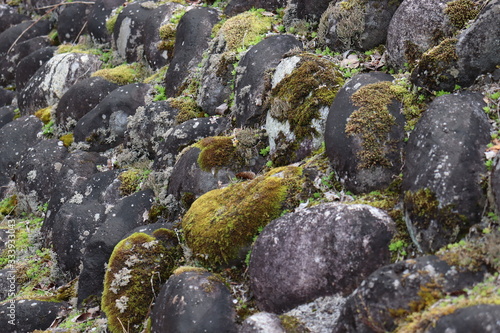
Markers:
131,180
167,34
8,205
67,139
183,269
44,114
292,325
111,21
188,108
460,12
122,75
222,221
137,267
216,152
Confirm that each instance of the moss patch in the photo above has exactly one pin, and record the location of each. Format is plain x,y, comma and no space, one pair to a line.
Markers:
44,114
167,34
8,206
123,74
137,268
460,12
131,180
215,152
67,139
221,222
188,109
350,18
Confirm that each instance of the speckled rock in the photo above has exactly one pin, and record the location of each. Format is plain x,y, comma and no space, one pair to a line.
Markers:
104,127
251,78
100,12
311,253
399,288
28,315
193,301
304,10
191,40
362,27
51,81
443,196
185,134
6,115
350,152
10,17
477,318
80,99
416,26
11,35
72,22
129,213
28,66
262,322
236,7
6,97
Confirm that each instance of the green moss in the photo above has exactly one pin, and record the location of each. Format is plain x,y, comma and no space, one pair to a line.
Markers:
221,222
350,17
216,152
131,180
188,108
67,139
183,269
8,206
111,21
292,325
137,267
44,114
167,34
122,75
461,11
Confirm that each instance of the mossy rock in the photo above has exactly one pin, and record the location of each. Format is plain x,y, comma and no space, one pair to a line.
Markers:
137,268
122,75
222,222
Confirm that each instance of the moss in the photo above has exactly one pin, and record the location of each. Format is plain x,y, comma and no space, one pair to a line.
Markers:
464,255
67,139
131,180
350,18
137,267
111,21
460,12
221,222
122,75
167,34
292,325
8,205
216,152
188,108
44,114
183,269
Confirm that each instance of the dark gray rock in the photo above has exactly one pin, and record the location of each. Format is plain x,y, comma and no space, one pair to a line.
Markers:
7,115
398,289
443,196
349,153
305,10
193,301
155,56
104,127
362,27
28,315
191,40
10,17
262,322
324,250
251,84
72,22
54,78
459,61
8,64
236,7
6,97
8,285
13,34
100,12
28,66
129,213
185,134
416,26
81,98
38,172
477,318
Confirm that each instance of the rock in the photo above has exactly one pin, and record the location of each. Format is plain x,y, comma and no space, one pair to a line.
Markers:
304,10
458,61
28,66
28,315
13,34
7,115
361,26
9,64
80,99
154,53
365,155
72,22
6,97
128,32
185,134
129,213
191,40
415,27
477,318
104,127
398,290
51,81
193,300
311,253
236,7
100,12
443,196
136,259
252,79
303,88
38,172
9,17
8,285
262,322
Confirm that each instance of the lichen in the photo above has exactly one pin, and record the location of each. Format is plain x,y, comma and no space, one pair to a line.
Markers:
221,222
123,74
137,267
460,12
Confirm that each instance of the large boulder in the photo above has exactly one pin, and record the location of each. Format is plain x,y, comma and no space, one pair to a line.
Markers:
193,300
324,250
364,133
191,40
99,14
54,78
443,196
30,64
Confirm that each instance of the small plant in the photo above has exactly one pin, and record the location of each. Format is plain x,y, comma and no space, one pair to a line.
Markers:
269,164
48,129
441,93
265,151
160,93
398,249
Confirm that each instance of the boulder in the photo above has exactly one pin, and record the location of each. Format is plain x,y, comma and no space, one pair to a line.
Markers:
236,7
251,85
10,17
54,78
28,29
6,97
28,66
72,22
366,155
8,285
80,99
323,250
99,14
193,300
28,315
262,322
476,318
443,196
7,115
191,40
304,10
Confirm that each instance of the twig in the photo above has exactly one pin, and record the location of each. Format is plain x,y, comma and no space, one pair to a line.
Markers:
80,33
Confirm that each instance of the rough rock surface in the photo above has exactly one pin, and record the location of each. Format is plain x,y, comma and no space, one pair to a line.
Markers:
72,22
28,66
98,15
29,315
262,322
28,29
477,318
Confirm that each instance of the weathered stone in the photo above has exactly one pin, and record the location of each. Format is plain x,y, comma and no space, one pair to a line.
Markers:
193,300
13,34
28,315
262,322
100,12
6,115
477,318
28,66
368,156
52,80
9,17
236,7
443,196
304,10
6,97
313,253
72,22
